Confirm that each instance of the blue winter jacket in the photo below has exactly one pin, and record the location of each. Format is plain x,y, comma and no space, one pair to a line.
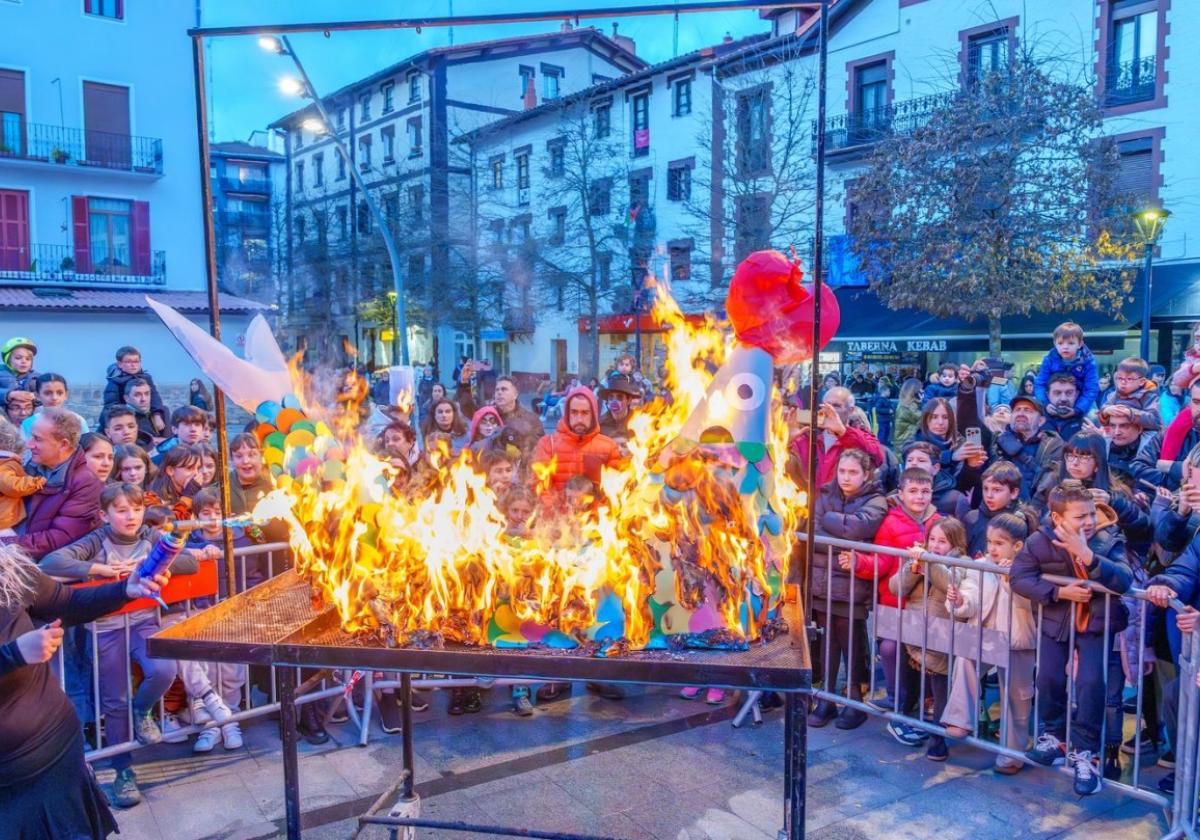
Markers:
1083,368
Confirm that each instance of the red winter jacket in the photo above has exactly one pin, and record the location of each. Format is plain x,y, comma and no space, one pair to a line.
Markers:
577,454
898,530
59,514
827,459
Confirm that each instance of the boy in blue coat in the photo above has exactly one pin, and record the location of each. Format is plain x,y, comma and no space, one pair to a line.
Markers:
1070,354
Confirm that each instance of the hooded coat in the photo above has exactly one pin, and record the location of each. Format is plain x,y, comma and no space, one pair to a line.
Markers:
855,518
1143,401
1082,368
62,512
576,454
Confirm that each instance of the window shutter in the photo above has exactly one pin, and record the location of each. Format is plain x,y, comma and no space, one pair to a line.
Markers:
139,223
1135,174
83,245
120,9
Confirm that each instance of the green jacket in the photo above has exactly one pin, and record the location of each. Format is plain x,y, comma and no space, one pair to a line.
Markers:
908,418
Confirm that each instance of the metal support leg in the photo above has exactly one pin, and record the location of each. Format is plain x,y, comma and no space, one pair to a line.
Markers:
795,767
749,707
408,804
364,731
285,679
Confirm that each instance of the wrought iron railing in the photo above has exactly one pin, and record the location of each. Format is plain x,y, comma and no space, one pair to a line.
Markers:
244,218
847,131
55,264
1133,81
256,186
80,147
519,320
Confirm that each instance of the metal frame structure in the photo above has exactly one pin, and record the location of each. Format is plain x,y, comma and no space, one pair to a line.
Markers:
276,624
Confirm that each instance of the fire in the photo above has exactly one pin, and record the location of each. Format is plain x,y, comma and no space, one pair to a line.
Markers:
670,536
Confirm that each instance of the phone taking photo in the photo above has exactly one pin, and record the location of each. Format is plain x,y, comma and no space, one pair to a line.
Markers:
974,436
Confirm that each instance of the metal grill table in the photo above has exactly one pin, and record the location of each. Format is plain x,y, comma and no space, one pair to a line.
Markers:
276,624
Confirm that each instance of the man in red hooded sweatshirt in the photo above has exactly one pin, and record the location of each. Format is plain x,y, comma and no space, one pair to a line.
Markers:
577,447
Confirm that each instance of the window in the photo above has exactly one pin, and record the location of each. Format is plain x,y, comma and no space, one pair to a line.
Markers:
389,100
639,188
364,107
300,176
341,167
522,172
604,265
496,166
753,113
556,149
987,53
111,9
1135,180
599,197
414,87
414,137
526,74
322,223
753,223
416,271
341,119
416,202
318,162
551,81
497,228
111,235
870,101
363,220
641,124
1132,60
680,251
364,153
387,135
603,121
681,98
391,209
343,222
298,225
679,181
558,225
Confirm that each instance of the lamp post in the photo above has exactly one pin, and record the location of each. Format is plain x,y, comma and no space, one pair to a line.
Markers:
320,125
391,296
1149,224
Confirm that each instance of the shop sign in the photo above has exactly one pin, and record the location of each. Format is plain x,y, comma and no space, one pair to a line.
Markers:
925,345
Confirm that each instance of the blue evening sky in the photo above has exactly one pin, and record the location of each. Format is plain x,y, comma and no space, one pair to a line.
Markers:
243,93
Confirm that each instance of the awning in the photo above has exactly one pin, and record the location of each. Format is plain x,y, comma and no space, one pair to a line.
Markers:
625,323
58,298
1174,298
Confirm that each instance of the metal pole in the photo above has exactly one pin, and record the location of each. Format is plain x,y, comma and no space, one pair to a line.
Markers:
285,678
818,255
795,748
1147,283
401,331
214,300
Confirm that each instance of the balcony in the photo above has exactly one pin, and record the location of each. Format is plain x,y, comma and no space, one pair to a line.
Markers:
848,132
38,265
519,320
56,145
244,219
1133,81
256,186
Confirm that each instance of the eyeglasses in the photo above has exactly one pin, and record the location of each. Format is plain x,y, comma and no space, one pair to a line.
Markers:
1079,457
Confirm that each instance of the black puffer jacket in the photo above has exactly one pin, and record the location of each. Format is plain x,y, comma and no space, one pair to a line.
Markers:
856,518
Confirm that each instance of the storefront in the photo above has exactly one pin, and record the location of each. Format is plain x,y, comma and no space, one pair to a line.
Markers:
620,334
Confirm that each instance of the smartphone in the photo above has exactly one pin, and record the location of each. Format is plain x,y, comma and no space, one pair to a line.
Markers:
804,416
974,436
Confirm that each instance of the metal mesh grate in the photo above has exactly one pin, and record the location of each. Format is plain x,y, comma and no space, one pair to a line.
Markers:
262,616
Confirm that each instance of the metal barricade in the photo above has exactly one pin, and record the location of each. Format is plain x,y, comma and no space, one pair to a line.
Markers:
978,644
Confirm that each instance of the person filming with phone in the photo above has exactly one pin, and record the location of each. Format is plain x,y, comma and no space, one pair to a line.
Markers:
835,435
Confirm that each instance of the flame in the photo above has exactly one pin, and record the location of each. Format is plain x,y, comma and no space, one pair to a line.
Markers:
669,527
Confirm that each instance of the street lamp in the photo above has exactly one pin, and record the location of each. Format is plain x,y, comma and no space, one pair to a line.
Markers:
395,330
320,125
1149,223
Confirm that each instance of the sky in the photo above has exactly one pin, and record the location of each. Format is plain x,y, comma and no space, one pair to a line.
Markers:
243,78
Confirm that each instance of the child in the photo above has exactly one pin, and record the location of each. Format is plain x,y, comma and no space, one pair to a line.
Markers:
248,483
120,425
17,373
15,485
1189,368
123,374
906,524
177,476
151,421
1136,391
111,550
885,413
189,426
1071,546
851,508
1001,492
944,385
208,466
925,585
517,505
52,392
1070,354
923,455
499,469
987,598
98,452
17,406
132,465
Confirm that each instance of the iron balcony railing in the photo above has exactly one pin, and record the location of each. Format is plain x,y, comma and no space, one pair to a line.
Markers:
1133,81
55,265
847,131
519,320
243,218
80,147
254,186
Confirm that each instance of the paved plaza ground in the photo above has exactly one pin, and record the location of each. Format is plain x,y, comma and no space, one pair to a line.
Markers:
652,767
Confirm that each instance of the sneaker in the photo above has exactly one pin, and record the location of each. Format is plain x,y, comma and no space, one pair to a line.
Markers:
905,734
215,706
206,740
170,730
850,718
1112,762
419,701
125,793
1008,766
883,704
390,719
822,714
1148,742
199,715
937,750
1167,759
1087,773
690,693
1167,784
145,729
1048,751
522,707
231,734
715,696
472,700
